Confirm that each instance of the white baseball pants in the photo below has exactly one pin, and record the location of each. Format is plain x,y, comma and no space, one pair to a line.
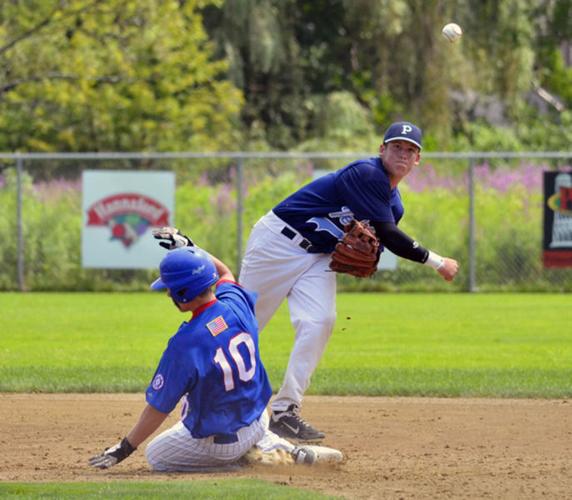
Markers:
175,450
277,268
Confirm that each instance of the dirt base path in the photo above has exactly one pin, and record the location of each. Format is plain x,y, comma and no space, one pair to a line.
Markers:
394,447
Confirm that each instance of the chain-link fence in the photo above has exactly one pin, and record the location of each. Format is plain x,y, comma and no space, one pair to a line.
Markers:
484,209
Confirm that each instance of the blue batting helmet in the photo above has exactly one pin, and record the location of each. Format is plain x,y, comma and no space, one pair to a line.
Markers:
186,272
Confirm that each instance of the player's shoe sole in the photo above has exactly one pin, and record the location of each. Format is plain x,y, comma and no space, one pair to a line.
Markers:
311,454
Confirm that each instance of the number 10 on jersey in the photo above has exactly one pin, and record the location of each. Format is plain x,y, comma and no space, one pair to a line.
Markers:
243,374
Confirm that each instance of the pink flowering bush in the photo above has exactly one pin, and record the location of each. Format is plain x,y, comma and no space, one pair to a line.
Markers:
508,210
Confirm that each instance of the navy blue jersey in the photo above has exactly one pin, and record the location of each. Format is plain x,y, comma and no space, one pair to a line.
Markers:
214,360
360,190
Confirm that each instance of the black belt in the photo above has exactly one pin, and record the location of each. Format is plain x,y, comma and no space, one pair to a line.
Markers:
305,244
225,438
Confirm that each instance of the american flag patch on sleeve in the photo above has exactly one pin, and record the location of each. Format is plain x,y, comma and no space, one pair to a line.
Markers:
217,325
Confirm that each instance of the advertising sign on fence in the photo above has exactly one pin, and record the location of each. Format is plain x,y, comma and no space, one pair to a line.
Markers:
557,219
119,210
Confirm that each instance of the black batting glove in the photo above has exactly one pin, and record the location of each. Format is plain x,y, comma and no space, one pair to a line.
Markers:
112,456
172,238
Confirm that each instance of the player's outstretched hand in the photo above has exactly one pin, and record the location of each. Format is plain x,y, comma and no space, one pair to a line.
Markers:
172,238
112,456
449,269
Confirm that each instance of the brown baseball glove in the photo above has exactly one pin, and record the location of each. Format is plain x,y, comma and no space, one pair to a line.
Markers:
358,252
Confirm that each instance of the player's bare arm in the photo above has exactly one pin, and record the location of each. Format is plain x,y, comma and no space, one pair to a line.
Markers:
149,421
223,271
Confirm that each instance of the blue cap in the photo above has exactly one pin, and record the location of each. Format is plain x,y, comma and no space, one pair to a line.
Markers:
404,131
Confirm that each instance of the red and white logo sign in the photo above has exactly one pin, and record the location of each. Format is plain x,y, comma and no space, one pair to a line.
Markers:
119,209
128,215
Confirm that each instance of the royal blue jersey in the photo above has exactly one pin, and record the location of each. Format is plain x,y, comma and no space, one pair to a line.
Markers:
360,190
214,360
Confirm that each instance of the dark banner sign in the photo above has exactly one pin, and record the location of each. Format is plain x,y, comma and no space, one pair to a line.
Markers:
557,219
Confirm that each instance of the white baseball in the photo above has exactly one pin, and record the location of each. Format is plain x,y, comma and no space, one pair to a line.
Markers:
452,32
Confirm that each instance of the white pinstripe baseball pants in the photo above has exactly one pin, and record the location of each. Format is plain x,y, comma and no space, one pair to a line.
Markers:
175,450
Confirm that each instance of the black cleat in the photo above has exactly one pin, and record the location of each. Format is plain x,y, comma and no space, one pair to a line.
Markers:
290,425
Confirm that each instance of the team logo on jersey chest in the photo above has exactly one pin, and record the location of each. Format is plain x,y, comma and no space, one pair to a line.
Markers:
345,215
217,325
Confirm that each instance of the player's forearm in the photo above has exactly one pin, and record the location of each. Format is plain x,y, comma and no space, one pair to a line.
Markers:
149,421
395,240
222,269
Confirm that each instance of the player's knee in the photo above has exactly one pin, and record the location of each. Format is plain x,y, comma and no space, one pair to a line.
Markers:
331,320
319,326
328,322
153,455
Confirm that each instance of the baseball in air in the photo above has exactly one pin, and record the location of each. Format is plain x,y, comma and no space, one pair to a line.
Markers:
452,32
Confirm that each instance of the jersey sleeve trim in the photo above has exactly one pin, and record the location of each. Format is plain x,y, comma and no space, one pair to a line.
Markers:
157,407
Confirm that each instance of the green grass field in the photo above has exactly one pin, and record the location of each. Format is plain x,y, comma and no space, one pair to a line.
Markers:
500,345
240,489
383,344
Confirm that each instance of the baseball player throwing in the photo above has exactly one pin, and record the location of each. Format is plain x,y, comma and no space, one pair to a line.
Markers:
294,247
212,362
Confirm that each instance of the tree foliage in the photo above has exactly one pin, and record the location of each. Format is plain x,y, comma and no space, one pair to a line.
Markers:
277,74
289,56
93,75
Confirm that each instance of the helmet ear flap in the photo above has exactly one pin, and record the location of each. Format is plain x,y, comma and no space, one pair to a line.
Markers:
181,295
185,295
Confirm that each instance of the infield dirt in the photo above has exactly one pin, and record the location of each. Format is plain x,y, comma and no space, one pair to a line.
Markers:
394,447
